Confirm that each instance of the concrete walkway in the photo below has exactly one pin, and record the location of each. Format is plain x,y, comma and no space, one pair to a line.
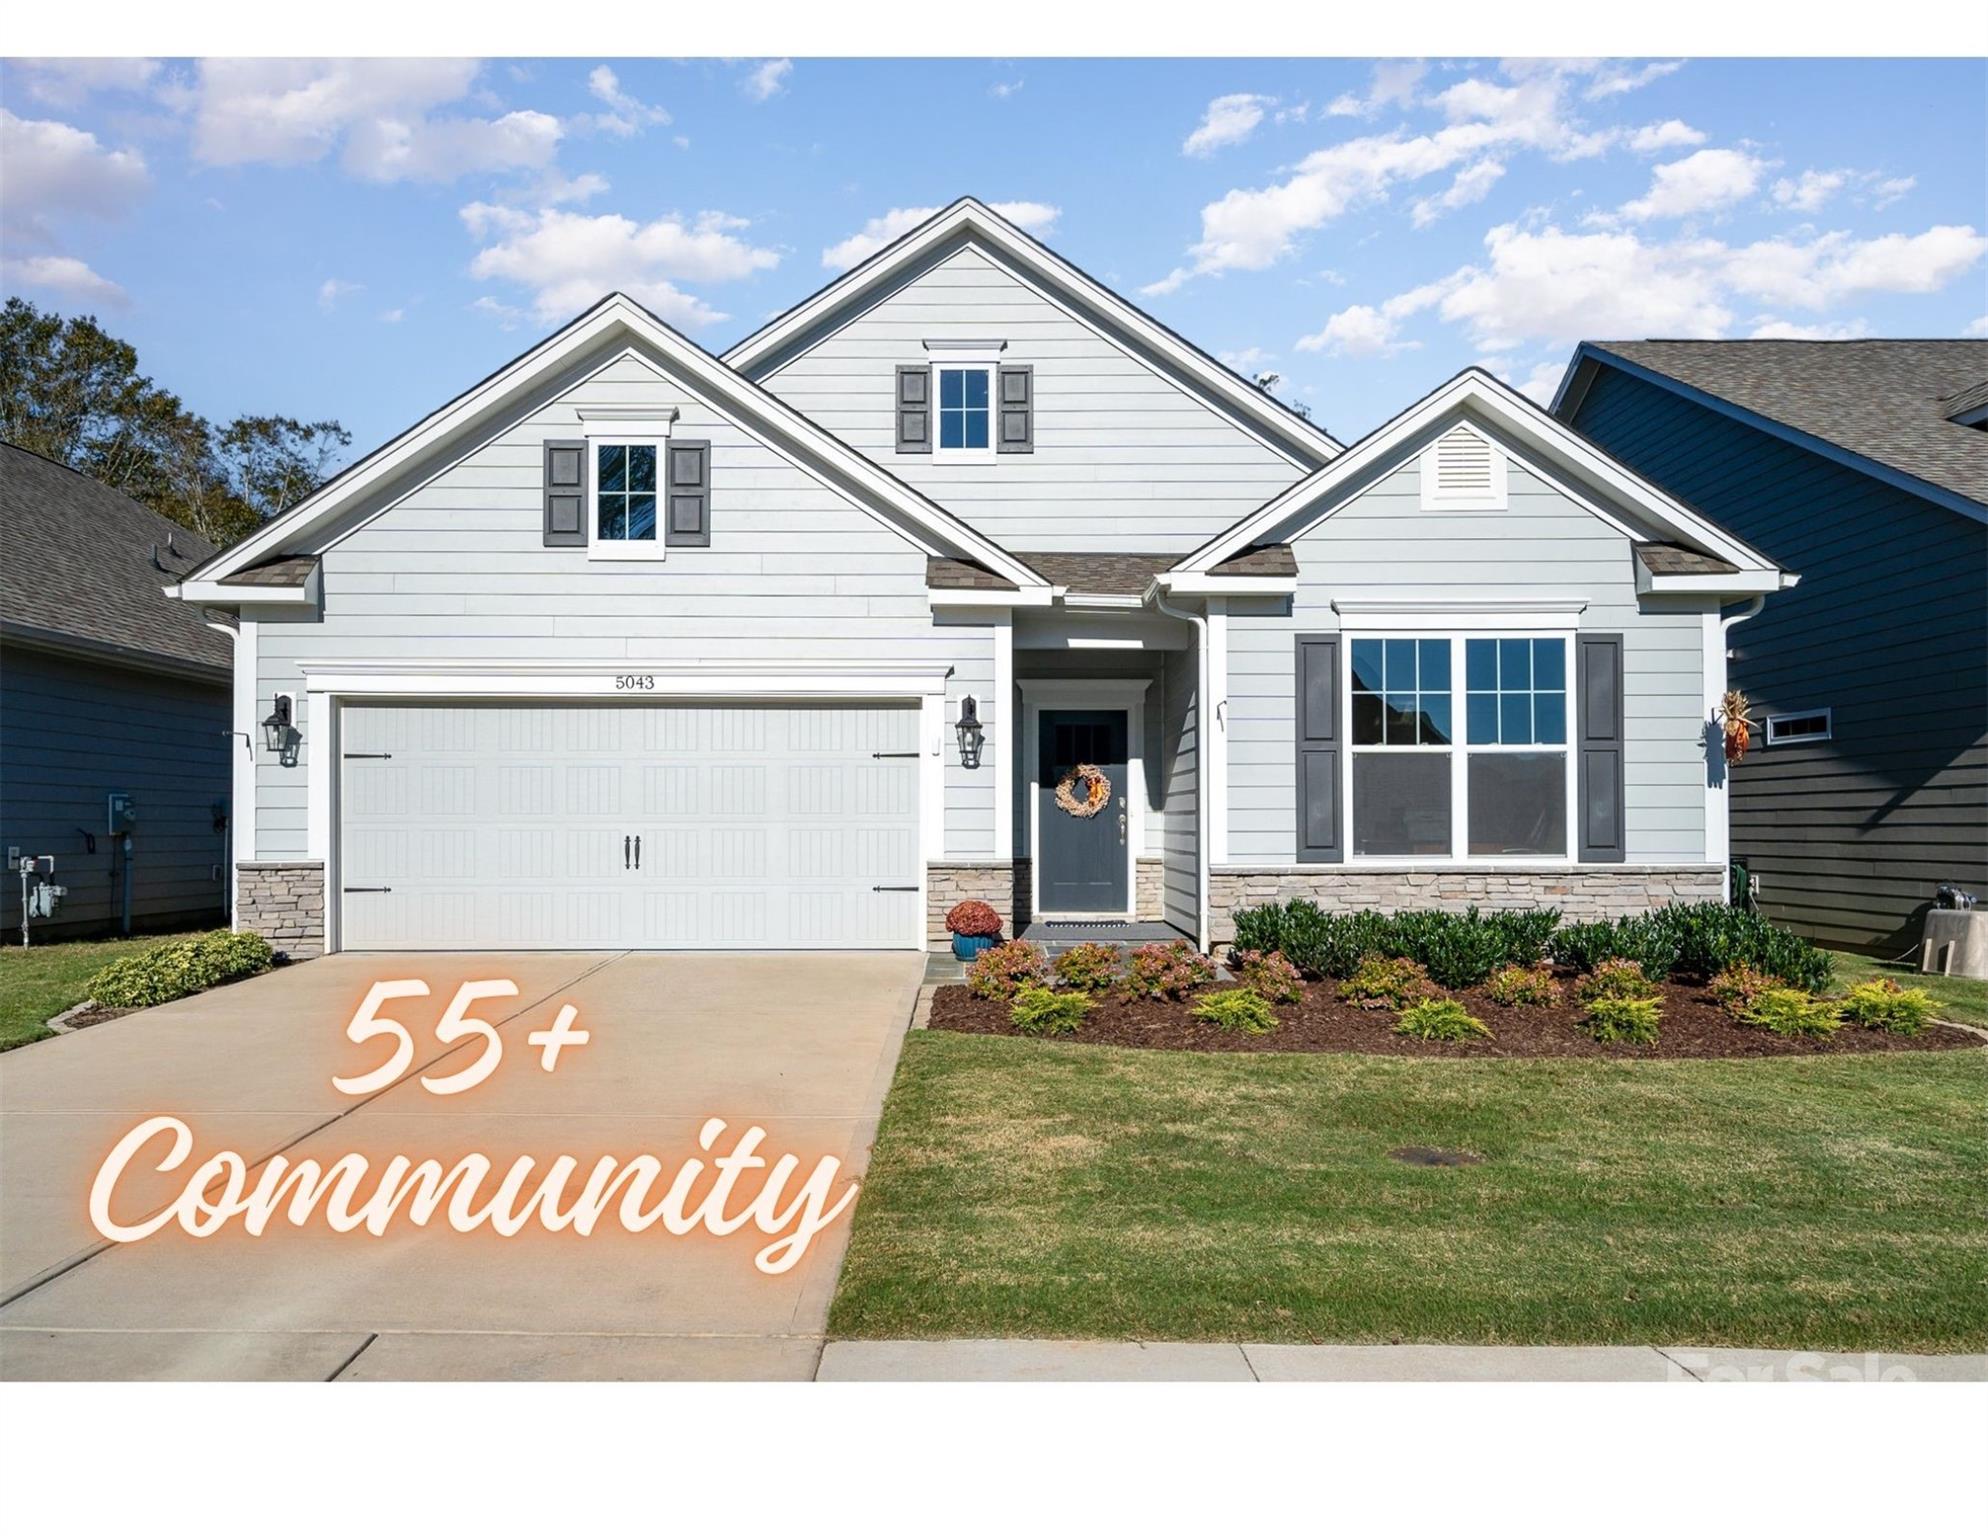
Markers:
801,1044
1104,1360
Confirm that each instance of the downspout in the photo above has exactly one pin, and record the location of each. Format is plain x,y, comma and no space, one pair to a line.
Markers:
1752,610
1205,726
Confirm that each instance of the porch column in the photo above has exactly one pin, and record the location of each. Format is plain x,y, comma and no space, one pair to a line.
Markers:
1217,732
1007,740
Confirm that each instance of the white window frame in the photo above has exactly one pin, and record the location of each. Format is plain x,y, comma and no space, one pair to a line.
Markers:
979,357
1776,738
626,434
1549,627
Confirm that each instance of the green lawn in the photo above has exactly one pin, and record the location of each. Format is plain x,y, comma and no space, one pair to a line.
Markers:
39,982
1962,1001
1038,1189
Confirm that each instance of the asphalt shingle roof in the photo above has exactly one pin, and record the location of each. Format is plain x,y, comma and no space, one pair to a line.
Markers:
76,560
1886,400
1109,574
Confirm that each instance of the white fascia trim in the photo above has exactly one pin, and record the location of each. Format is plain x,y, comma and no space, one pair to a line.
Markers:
701,375
1200,584
987,353
1738,583
230,593
1539,432
972,216
966,597
623,679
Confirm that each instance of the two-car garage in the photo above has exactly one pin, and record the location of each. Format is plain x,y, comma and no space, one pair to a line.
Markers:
592,824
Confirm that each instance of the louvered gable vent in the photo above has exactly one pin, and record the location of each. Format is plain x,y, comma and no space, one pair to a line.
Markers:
1463,469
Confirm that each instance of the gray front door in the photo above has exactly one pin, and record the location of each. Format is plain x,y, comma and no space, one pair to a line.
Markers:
1081,860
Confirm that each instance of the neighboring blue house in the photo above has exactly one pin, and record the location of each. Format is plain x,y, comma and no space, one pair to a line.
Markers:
107,687
1864,466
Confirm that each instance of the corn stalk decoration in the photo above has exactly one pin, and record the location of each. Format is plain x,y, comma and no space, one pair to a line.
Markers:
1733,721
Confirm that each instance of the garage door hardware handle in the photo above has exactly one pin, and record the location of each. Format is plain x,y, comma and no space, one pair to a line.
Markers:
895,754
350,889
638,850
893,887
350,755
624,853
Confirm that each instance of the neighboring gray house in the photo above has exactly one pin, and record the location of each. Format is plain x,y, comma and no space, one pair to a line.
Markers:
1864,465
107,687
635,645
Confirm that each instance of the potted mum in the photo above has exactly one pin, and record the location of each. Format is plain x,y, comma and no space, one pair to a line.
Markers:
974,926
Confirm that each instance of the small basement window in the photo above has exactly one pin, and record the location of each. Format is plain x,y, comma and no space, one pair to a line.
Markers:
1810,725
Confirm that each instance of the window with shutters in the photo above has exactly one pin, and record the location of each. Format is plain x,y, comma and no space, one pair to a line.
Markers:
1463,470
624,497
965,394
1479,771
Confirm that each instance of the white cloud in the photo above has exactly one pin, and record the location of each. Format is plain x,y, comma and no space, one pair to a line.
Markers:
1392,84
626,115
506,315
71,82
1542,383
1551,286
1889,189
1618,80
1001,90
569,260
1672,133
1809,191
1976,327
64,275
1252,228
768,79
296,111
1472,185
1700,183
1228,120
53,169
393,316
1770,329
1248,361
332,289
1036,218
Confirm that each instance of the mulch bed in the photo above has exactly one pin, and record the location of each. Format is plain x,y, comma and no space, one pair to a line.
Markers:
1693,1026
96,1013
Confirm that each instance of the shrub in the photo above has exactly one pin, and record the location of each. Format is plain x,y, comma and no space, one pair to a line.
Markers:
1459,949
1442,1018
1708,937
1615,978
1317,943
1737,986
1005,967
1167,970
1039,1011
1270,975
1641,939
1241,1009
1884,1004
1087,967
1522,986
1791,1011
1631,1019
180,968
973,920
1387,982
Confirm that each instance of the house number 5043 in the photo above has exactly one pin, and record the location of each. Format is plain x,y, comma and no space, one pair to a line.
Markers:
455,1024
638,682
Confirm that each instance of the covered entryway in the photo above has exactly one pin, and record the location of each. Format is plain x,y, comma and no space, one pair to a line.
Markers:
609,825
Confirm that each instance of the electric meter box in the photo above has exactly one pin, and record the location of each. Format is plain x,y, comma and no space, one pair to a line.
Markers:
123,815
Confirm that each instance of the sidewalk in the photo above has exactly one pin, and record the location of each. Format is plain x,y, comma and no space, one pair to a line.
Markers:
1088,1360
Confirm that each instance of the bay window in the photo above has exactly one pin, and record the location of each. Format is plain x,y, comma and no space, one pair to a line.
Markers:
1477,771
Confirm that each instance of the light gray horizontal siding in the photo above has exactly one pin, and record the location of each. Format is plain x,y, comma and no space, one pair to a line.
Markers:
457,571
1543,546
74,733
1125,459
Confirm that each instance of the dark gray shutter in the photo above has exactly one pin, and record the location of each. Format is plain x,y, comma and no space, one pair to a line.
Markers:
1016,433
687,496
914,409
565,495
1317,703
1598,677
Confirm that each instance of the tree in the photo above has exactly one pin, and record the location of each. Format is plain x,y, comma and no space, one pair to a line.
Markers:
72,392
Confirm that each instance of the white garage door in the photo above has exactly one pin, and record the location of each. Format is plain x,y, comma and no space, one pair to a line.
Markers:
659,826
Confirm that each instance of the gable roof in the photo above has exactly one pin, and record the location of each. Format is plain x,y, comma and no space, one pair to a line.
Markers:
1890,407
1556,446
79,570
467,419
970,219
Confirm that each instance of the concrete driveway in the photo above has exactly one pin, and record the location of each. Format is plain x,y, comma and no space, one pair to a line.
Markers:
801,1044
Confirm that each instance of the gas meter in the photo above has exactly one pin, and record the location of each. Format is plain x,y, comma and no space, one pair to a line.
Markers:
40,895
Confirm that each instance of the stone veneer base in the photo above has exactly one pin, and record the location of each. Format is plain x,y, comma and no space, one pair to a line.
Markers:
283,900
1586,891
1004,886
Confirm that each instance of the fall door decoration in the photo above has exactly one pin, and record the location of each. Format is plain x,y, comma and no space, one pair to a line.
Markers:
1084,790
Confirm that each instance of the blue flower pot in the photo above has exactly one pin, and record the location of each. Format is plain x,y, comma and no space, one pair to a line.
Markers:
969,949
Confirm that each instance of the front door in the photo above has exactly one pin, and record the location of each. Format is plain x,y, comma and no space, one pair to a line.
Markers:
1081,857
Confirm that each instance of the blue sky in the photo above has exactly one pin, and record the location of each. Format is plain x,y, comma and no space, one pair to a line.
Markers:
365,239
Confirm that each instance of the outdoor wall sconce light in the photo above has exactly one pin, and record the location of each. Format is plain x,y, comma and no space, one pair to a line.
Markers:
970,734
279,732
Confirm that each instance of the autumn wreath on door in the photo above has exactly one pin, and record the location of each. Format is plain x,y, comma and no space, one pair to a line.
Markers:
1084,790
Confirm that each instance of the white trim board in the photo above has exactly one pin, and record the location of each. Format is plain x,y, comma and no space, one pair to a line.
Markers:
1112,693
